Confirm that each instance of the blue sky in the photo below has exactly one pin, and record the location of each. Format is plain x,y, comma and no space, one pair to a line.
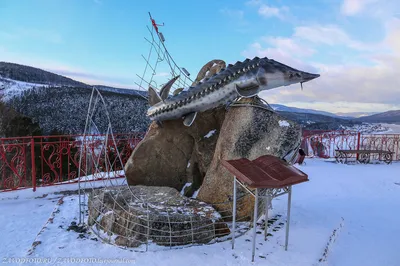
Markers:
353,44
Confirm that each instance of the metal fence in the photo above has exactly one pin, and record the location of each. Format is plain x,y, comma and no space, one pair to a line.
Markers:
324,143
30,162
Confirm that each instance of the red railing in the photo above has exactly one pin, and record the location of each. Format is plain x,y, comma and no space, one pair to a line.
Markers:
30,162
324,144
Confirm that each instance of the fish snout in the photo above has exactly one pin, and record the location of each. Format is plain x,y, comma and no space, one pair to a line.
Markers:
308,76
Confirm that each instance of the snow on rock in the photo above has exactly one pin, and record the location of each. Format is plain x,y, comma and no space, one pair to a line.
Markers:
195,194
185,186
283,123
209,134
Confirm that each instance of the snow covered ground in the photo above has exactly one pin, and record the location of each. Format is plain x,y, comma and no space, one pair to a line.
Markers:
375,128
391,129
357,205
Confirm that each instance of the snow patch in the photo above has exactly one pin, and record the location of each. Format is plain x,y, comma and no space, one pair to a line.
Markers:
185,186
10,88
283,123
194,196
209,134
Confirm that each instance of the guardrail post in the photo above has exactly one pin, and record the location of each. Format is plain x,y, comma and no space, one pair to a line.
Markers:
358,144
33,164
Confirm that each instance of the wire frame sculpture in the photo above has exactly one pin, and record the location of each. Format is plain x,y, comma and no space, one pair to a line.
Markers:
138,217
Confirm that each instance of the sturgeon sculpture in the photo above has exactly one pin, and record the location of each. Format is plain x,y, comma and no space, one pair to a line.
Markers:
243,79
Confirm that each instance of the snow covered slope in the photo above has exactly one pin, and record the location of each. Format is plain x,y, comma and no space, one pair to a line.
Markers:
345,215
10,88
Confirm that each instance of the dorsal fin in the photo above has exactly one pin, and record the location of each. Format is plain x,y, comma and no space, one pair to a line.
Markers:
154,97
164,92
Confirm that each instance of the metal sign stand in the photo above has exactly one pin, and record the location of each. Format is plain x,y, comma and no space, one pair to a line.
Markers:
270,177
268,195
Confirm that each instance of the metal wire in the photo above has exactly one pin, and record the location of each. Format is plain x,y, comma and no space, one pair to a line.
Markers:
158,53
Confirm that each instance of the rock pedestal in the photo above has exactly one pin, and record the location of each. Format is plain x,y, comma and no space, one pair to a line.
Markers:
174,154
137,215
247,132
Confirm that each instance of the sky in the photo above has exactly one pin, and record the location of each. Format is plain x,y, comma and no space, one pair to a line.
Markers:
353,44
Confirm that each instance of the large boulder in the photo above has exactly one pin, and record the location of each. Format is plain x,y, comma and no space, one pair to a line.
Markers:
131,216
173,154
247,132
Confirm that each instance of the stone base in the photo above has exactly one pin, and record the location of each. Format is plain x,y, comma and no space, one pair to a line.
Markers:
134,215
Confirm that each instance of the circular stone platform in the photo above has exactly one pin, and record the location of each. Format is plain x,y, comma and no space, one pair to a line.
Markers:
135,215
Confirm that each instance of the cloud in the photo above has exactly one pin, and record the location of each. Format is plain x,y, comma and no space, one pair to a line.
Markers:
345,107
329,35
254,3
74,72
93,78
307,41
351,87
268,11
291,46
392,40
352,7
374,8
285,50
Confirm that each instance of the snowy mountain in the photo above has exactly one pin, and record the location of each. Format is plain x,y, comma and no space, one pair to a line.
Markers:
311,121
355,114
35,75
60,104
385,117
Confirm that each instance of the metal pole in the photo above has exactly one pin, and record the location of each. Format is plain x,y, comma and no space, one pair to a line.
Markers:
358,144
234,213
148,227
288,217
266,215
255,225
33,164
